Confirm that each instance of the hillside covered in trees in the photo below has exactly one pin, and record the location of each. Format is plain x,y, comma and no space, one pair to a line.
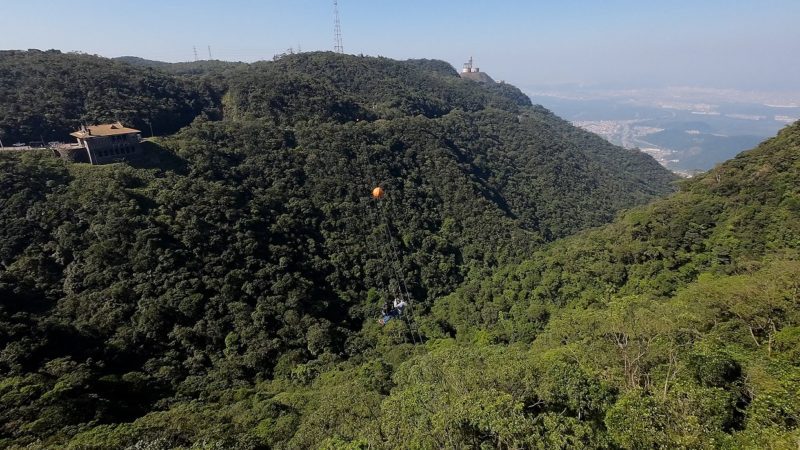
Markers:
225,293
45,95
676,326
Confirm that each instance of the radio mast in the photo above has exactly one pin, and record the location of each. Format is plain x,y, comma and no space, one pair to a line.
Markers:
337,29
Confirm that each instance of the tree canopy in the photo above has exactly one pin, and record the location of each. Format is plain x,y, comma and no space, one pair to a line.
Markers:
224,291
45,95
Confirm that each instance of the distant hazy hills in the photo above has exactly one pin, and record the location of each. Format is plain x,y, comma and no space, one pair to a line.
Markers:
686,129
698,150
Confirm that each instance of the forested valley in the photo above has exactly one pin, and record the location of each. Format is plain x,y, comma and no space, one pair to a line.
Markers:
224,291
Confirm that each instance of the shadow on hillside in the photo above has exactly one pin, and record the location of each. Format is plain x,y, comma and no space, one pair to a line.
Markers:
156,157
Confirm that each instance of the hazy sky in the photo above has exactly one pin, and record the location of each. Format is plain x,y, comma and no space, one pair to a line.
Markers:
744,44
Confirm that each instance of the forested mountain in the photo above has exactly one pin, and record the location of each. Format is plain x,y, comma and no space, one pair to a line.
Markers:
522,153
47,95
225,291
187,69
677,326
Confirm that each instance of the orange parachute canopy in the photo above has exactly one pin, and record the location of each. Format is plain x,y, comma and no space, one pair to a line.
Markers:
377,193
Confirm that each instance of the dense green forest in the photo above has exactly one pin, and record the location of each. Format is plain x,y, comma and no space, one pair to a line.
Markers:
224,291
45,95
187,69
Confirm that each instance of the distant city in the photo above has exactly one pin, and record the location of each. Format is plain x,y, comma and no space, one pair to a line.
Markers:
688,130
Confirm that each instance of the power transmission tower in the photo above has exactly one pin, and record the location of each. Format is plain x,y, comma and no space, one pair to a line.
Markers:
337,29
194,48
209,53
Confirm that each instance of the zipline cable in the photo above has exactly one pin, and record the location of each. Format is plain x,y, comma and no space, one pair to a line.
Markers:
402,285
397,269
401,278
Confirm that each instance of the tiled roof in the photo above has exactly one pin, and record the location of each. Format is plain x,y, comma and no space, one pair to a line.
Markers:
108,129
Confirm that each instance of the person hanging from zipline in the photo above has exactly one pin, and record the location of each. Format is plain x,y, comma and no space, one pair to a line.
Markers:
394,312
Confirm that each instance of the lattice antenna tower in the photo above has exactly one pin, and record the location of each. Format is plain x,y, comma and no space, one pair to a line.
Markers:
195,52
337,29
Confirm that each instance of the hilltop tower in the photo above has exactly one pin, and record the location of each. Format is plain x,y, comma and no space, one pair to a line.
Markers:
468,68
470,72
337,29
